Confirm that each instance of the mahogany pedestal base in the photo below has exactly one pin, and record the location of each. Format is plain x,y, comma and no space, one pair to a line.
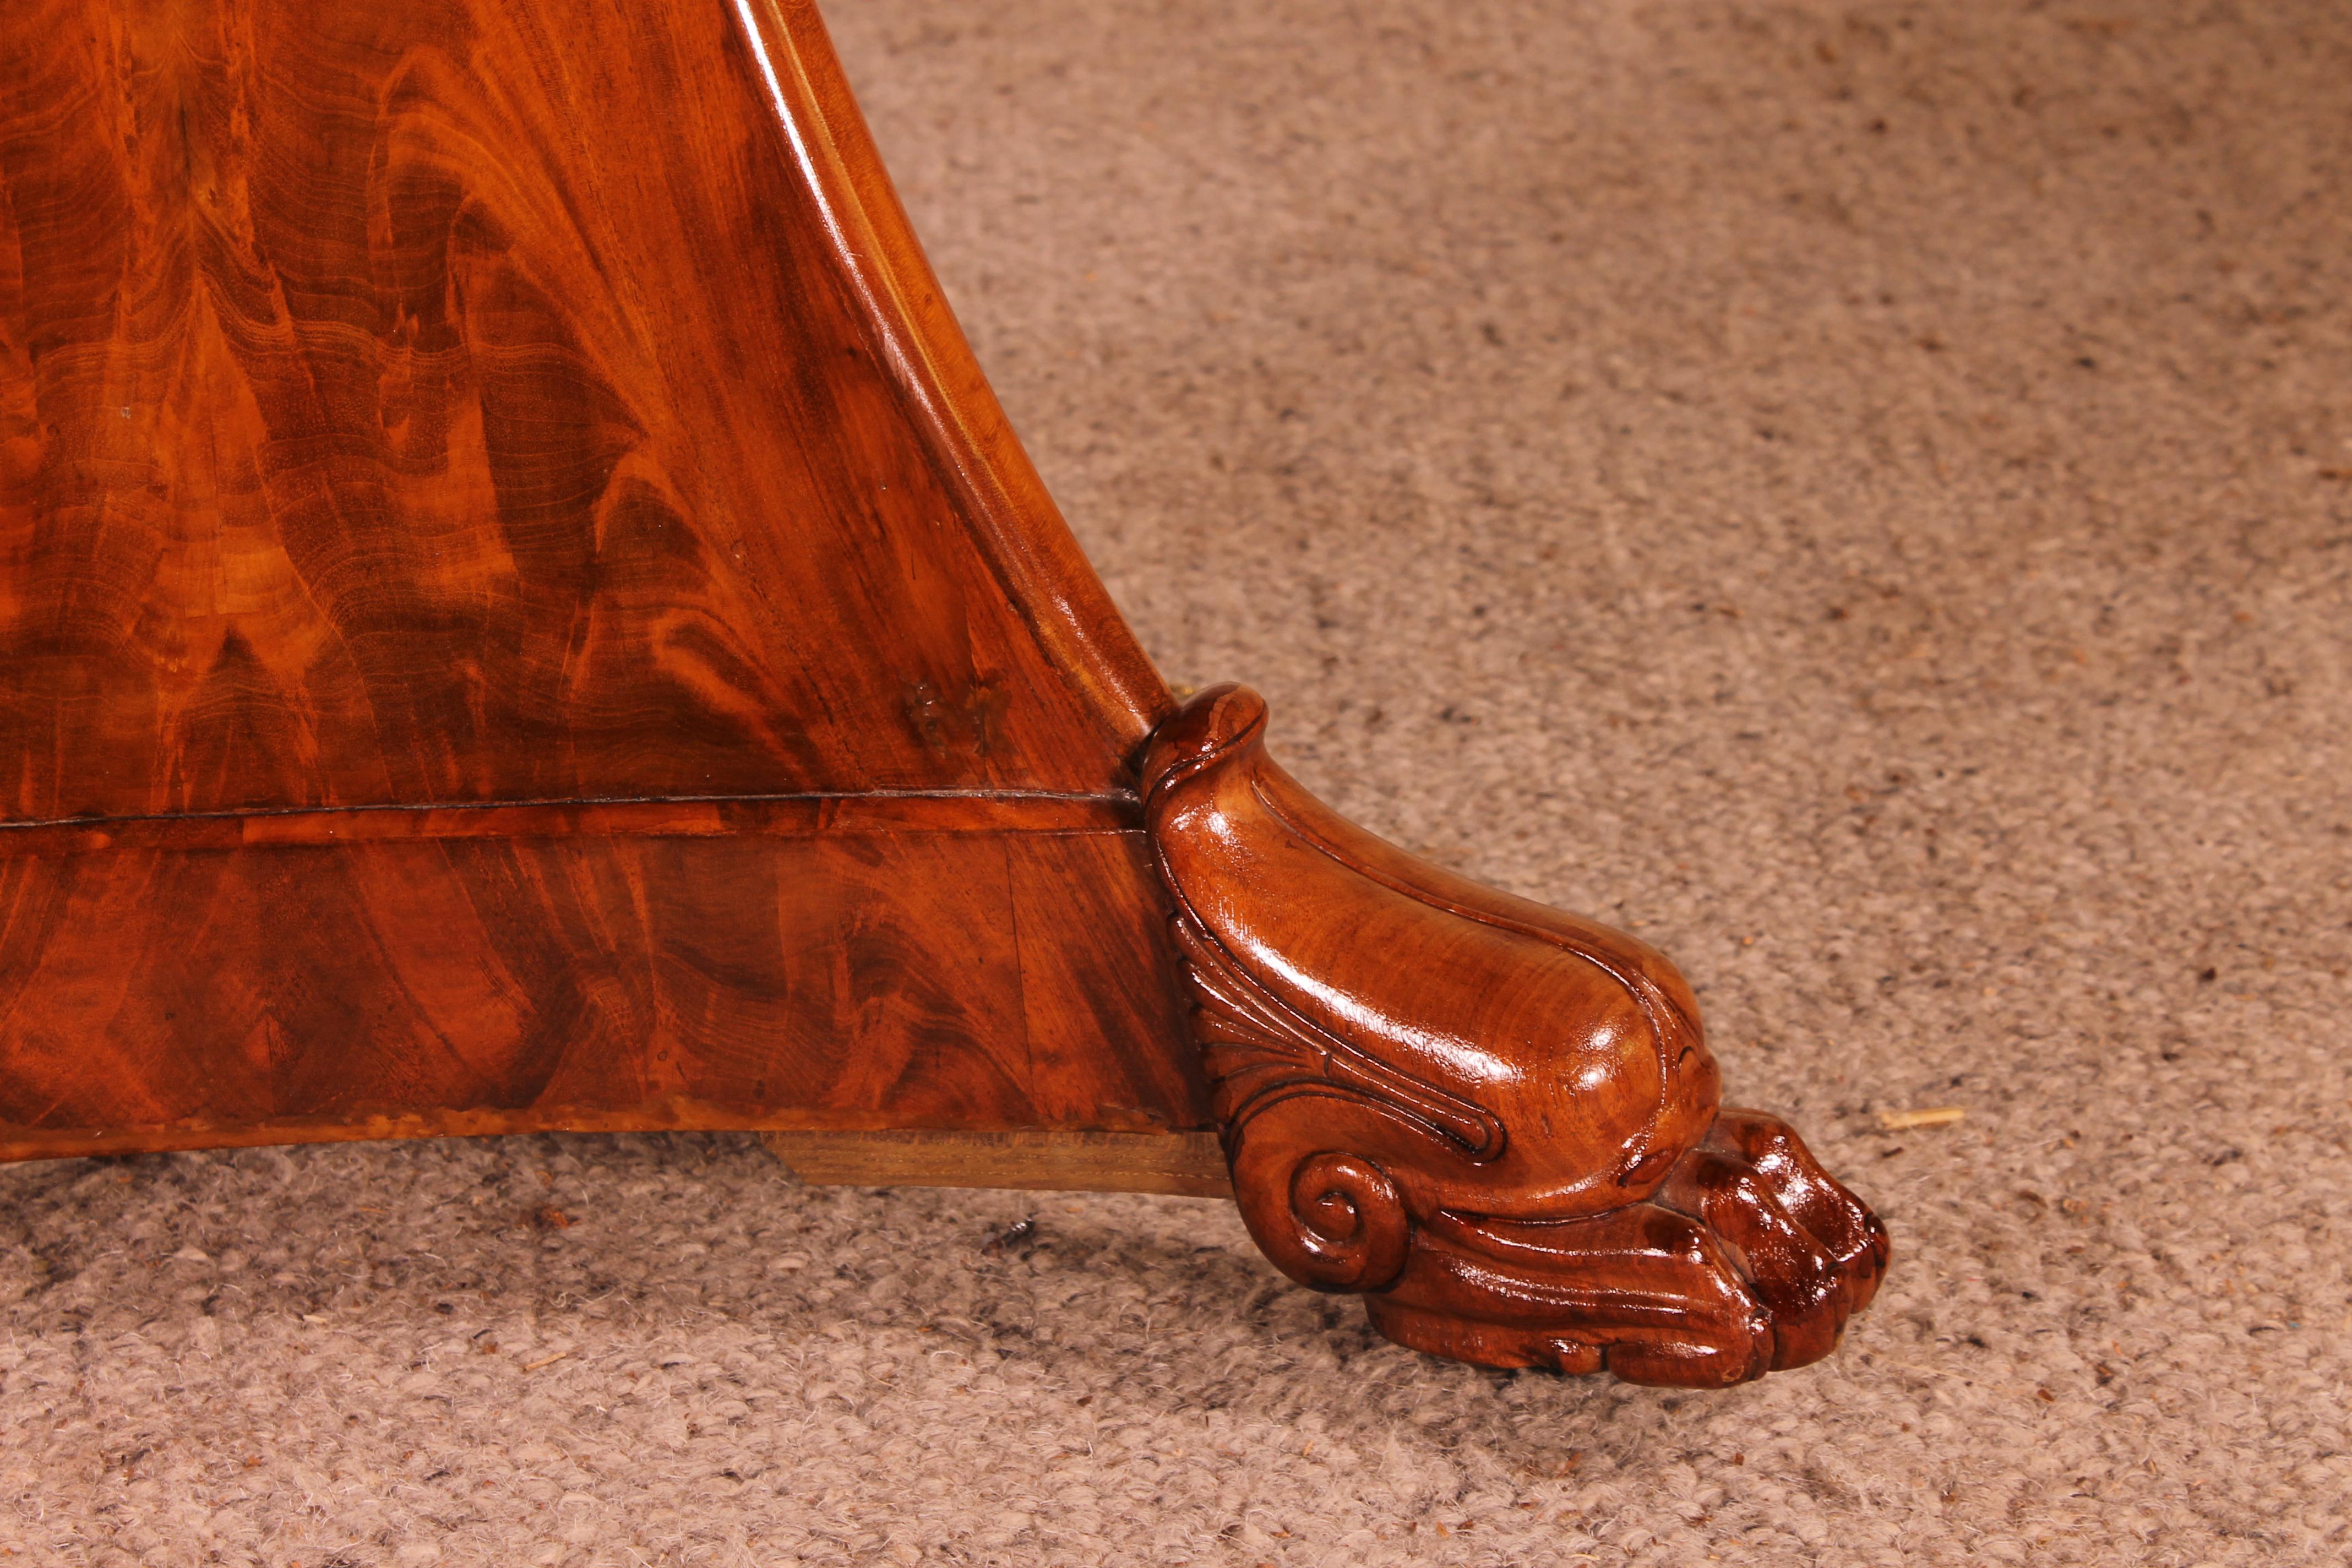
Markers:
518,611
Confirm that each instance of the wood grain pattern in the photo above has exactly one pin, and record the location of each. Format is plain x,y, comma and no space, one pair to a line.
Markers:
789,973
483,400
518,612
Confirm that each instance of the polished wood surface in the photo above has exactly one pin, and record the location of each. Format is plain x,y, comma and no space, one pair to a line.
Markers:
757,964
1500,1121
497,400
518,612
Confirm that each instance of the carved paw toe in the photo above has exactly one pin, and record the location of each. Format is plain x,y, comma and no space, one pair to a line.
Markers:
1807,1248
1840,1223
1645,1292
1750,1258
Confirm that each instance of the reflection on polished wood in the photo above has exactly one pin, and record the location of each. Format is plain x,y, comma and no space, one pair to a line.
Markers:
476,400
944,963
518,611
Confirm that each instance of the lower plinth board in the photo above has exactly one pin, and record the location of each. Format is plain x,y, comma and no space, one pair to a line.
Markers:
846,963
1186,1164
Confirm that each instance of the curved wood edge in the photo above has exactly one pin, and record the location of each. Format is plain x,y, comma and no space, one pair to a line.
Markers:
1499,1124
1019,529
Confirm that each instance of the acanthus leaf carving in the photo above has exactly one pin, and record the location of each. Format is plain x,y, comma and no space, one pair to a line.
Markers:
1259,1050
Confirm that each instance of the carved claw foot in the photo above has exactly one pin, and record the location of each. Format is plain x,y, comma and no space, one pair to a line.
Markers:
1498,1122
1741,1263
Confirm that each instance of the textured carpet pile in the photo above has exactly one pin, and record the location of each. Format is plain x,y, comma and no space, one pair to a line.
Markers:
1861,495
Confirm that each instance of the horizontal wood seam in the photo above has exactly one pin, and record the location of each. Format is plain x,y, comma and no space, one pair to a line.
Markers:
873,813
1121,799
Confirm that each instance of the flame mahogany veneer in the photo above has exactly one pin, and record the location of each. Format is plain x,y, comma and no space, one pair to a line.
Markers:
518,611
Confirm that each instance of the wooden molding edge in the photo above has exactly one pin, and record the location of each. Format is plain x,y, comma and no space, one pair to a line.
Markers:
1184,1164
1014,519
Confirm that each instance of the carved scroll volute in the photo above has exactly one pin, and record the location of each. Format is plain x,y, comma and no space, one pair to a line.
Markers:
1497,1118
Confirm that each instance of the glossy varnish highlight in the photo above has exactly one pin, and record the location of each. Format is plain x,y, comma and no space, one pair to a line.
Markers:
468,401
191,983
516,608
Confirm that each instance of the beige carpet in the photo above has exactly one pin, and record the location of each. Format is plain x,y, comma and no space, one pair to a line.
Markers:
1862,494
